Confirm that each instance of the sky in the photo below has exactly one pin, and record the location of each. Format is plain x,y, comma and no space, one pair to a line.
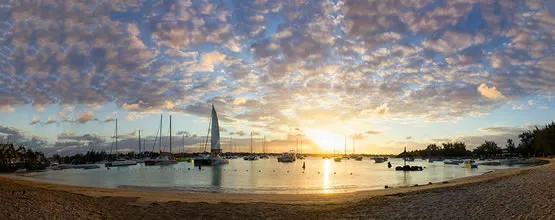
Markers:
372,76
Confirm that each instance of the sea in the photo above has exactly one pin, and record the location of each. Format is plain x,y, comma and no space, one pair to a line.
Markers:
265,176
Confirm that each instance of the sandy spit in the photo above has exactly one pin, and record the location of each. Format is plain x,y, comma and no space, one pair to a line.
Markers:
527,193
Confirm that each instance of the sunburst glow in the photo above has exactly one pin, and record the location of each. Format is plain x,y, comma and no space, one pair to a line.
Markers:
324,139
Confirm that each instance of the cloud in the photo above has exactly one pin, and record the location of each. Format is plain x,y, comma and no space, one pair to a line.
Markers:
347,61
490,92
35,120
371,132
85,117
50,121
109,119
502,130
6,108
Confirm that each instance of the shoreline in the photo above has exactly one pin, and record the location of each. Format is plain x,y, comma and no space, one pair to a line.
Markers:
146,196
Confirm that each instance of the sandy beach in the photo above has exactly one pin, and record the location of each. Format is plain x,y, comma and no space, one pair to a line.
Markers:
527,193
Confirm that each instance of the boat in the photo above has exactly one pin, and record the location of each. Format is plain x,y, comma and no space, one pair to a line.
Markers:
453,162
214,158
358,158
409,159
337,159
164,158
406,167
119,162
85,166
431,160
23,170
470,164
379,159
287,157
231,157
264,155
345,155
300,157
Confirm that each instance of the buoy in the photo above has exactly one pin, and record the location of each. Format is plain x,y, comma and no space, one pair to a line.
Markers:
333,172
386,186
274,171
259,171
247,170
430,183
189,168
235,170
318,172
288,171
351,173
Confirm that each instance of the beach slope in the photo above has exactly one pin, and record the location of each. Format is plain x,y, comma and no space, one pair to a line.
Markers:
514,193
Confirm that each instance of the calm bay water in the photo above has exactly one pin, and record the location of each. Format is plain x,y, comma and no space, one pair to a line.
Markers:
264,176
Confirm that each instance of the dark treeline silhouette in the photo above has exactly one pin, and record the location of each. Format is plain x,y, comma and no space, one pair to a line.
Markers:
455,149
12,159
536,142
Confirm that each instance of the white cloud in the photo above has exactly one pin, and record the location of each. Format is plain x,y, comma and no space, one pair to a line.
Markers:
490,92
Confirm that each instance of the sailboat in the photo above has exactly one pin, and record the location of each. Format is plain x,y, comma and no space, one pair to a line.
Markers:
335,159
119,161
264,155
214,158
165,158
140,160
353,155
345,155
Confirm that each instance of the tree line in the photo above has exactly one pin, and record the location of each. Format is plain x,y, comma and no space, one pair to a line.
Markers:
12,158
535,142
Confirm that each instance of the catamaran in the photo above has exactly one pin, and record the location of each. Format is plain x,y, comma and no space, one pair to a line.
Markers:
119,161
214,158
165,158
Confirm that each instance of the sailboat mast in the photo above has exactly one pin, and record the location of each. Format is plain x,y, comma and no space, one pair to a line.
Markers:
345,145
297,145
207,135
251,142
116,138
139,141
183,140
264,146
160,144
230,144
170,134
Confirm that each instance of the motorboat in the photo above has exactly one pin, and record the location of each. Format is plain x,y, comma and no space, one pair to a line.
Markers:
264,156
337,159
431,160
453,162
409,159
470,164
379,159
252,157
165,158
120,162
287,157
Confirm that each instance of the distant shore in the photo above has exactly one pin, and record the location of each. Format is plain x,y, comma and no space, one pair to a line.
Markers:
44,199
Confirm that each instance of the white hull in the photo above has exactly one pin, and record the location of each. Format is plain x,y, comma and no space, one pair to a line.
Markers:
120,163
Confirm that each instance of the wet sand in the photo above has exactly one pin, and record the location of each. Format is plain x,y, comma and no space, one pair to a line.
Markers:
512,193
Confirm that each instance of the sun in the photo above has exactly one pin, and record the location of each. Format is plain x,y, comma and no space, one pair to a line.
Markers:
324,139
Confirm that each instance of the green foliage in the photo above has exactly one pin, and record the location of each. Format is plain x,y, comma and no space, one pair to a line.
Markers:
455,149
12,159
538,142
487,149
